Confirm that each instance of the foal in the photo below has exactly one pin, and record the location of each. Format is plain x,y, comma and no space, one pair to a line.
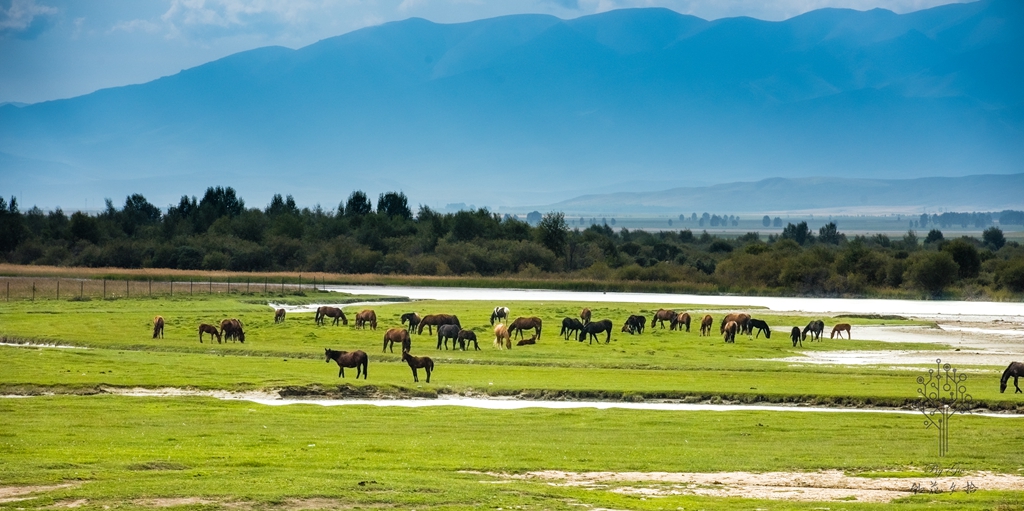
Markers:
418,363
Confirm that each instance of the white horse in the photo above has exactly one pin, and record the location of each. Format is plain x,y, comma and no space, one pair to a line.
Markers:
499,313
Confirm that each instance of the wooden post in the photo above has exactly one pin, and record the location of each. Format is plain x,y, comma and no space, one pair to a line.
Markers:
264,286
150,287
81,289
33,290
8,290
127,290
58,289
104,289
211,285
300,282
247,285
172,286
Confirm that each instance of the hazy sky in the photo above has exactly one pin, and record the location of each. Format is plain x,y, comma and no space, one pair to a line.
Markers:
52,49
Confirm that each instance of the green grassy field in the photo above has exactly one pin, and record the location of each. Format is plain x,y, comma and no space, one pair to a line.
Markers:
201,453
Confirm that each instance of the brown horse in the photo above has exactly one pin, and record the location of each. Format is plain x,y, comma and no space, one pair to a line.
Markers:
525,342
433,320
796,336
501,337
158,327
585,316
662,316
208,329
399,335
413,319
356,359
840,328
330,312
465,336
279,316
634,324
742,322
366,316
1014,370
520,324
705,325
418,363
681,320
231,330
730,330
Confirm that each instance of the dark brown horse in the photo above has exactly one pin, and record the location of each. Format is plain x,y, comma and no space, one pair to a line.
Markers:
520,324
585,316
279,316
413,319
796,336
500,313
662,316
527,342
839,329
634,325
366,317
158,327
571,326
418,363
742,322
433,320
330,312
761,326
208,329
465,336
1014,370
730,329
356,359
705,325
399,335
682,319
592,329
446,332
815,327
231,330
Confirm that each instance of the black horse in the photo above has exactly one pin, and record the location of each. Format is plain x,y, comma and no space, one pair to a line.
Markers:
571,326
595,327
635,324
1016,370
357,359
413,319
761,326
446,332
465,336
418,363
815,327
796,336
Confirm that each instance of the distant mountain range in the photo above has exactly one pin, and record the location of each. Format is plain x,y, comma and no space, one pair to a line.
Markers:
534,109
964,194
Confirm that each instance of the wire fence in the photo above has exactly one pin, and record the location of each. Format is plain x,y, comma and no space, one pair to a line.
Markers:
59,288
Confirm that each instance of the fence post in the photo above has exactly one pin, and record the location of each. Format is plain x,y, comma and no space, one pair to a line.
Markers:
8,290
264,285
81,289
300,282
127,290
247,285
150,287
211,285
229,285
58,288
33,290
172,286
104,289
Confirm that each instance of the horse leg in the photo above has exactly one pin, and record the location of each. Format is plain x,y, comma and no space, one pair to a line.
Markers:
427,369
415,377
1016,386
366,369
476,345
341,371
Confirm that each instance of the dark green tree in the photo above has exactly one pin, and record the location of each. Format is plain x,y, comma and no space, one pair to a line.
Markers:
394,204
12,226
993,237
358,205
932,271
965,255
766,221
933,236
799,233
829,233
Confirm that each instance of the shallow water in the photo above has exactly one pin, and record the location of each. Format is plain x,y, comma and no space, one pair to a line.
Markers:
918,308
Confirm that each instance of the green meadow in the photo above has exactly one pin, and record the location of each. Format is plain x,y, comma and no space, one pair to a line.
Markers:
70,437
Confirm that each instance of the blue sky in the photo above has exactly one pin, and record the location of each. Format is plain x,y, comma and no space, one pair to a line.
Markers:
51,49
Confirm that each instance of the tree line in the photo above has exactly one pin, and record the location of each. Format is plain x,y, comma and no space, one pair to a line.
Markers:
219,232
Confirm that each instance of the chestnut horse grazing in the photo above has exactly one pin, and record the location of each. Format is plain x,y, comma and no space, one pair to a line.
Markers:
158,327
366,316
815,327
1015,370
592,329
520,324
796,336
705,325
418,363
525,342
501,337
742,321
330,312
571,326
231,329
839,329
433,320
279,316
208,329
662,316
499,314
413,319
730,329
682,319
585,316
356,359
465,336
399,335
